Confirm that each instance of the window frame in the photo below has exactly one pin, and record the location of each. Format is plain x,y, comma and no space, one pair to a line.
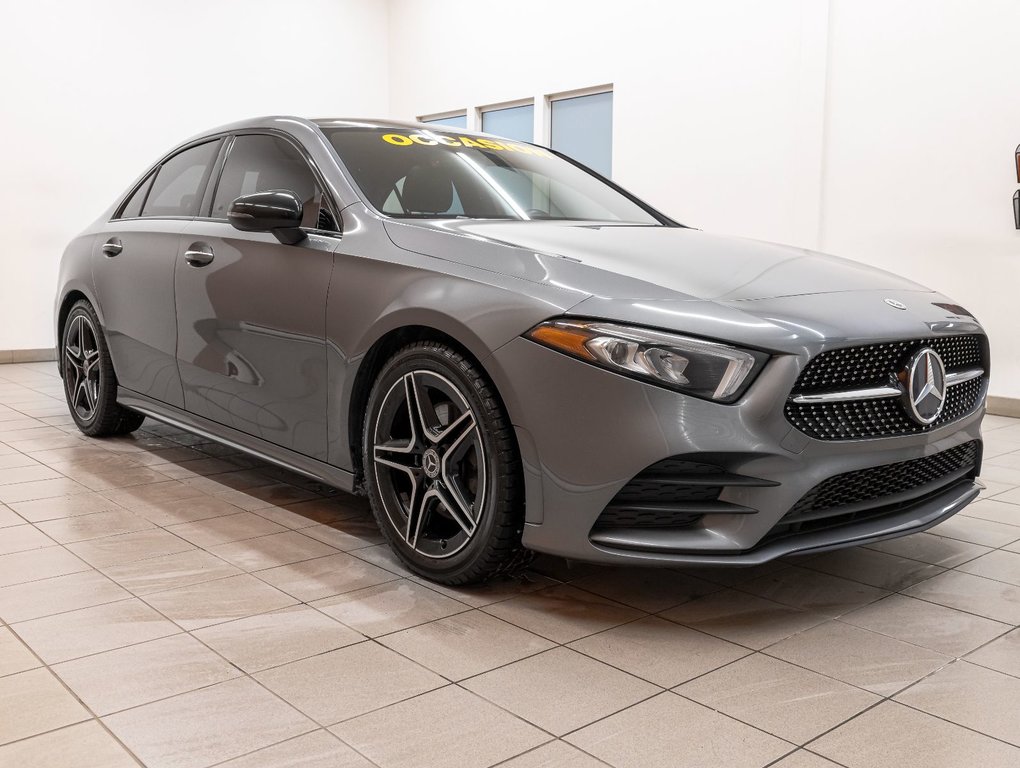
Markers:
150,176
205,211
500,106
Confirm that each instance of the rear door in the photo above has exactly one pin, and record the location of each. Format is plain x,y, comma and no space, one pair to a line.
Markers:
251,310
134,266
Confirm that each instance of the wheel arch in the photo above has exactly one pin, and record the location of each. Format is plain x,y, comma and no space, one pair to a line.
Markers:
71,297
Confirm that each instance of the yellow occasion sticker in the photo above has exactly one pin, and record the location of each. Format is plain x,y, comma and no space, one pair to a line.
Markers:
434,139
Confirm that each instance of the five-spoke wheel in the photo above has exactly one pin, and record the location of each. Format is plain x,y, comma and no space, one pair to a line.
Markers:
441,465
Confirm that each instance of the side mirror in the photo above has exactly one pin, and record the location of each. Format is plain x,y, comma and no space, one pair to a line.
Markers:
278,211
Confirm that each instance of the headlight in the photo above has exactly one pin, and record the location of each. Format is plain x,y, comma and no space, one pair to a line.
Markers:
701,368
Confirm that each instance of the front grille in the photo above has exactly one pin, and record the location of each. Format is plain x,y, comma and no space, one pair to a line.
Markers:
674,493
876,365
879,491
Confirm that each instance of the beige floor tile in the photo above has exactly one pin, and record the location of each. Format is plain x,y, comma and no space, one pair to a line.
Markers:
929,548
894,736
275,495
494,590
70,635
998,565
811,590
33,702
67,530
318,749
85,745
221,530
213,602
384,557
563,613
872,567
554,754
659,651
128,547
21,538
35,599
997,510
347,535
784,700
272,551
8,517
929,625
976,531
207,726
138,674
389,607
24,474
647,589
35,564
63,506
1002,654
304,514
744,618
466,644
104,478
975,697
279,637
14,654
168,490
325,576
973,594
234,479
157,574
560,690
868,660
1013,496
669,731
349,682
40,489
176,511
804,759
454,728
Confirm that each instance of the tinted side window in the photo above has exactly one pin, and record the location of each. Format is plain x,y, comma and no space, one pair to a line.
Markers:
133,207
260,163
180,181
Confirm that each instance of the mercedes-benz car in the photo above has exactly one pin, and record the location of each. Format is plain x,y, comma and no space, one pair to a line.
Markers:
509,353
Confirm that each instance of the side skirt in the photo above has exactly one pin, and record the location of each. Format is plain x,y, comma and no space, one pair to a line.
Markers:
261,449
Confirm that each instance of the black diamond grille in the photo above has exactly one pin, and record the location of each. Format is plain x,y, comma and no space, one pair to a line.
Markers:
876,365
660,484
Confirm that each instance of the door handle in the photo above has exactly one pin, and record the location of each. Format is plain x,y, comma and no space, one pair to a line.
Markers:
112,247
198,254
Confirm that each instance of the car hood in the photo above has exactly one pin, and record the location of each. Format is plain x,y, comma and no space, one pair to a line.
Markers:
641,262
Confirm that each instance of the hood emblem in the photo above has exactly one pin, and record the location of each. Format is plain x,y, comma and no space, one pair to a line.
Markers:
926,386
895,304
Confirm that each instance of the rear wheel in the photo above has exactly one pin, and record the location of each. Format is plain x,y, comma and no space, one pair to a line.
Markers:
90,385
442,467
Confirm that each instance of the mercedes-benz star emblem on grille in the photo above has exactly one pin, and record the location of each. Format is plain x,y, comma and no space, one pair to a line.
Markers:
926,386
895,304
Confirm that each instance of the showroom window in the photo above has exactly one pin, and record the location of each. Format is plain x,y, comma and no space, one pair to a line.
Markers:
581,127
511,122
259,163
450,121
180,181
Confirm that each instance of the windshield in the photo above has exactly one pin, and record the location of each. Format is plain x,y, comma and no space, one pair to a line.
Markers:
426,173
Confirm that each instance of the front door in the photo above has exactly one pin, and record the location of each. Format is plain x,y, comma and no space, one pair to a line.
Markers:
134,264
251,310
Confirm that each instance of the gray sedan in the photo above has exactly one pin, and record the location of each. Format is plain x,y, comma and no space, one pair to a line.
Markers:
509,353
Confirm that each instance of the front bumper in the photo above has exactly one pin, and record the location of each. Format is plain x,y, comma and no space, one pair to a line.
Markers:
585,433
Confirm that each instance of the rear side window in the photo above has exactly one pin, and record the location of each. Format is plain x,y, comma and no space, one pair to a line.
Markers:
180,181
133,207
260,163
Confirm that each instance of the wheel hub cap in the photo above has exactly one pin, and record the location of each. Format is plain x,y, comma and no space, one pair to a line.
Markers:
430,463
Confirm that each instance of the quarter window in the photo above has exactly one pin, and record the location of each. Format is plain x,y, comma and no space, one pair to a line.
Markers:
260,163
133,207
180,182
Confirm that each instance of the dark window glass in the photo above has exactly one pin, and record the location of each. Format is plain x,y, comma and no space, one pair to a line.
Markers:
435,173
180,181
260,163
133,207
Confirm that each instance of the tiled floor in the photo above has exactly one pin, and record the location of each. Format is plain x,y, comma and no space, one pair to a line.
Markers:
165,601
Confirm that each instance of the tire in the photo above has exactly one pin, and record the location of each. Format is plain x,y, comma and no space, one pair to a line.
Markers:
90,385
445,486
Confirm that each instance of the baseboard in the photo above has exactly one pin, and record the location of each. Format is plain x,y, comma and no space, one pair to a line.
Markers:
1004,406
27,355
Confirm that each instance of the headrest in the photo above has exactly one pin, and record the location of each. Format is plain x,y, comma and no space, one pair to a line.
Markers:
427,190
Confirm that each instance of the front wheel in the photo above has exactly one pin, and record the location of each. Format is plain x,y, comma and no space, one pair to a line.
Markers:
90,385
442,467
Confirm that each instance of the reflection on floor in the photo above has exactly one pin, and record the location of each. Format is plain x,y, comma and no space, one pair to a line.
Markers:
166,601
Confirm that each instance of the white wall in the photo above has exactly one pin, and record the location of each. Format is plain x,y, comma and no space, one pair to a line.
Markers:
881,130
93,92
